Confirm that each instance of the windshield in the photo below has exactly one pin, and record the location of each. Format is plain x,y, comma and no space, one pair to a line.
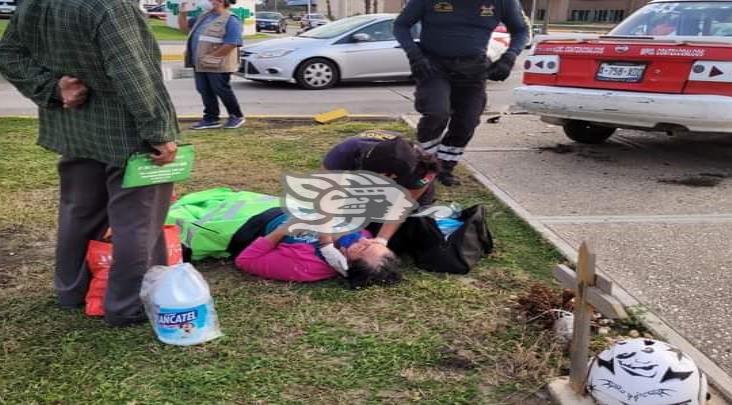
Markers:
316,16
268,16
337,28
682,18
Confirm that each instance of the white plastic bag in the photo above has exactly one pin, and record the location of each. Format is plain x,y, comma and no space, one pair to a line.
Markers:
179,305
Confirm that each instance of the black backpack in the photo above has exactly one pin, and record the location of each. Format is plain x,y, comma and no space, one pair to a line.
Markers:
420,238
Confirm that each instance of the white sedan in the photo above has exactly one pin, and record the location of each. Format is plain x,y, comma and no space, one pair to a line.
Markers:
360,48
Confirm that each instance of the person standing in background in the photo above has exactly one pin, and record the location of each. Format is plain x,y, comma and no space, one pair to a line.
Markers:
93,68
212,51
450,66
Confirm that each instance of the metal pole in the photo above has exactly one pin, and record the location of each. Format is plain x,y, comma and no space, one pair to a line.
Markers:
533,13
545,28
308,6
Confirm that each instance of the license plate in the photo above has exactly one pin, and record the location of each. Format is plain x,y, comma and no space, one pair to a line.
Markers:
620,72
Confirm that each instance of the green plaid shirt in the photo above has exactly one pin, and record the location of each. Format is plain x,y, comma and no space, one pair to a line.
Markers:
108,45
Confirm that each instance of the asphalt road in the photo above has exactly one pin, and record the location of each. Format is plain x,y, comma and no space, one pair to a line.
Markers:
287,99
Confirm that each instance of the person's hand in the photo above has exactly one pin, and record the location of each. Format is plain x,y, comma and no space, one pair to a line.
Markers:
499,70
419,64
164,153
73,92
187,6
381,241
335,259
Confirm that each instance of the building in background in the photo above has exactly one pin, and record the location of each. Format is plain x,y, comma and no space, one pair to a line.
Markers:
347,8
245,9
582,11
586,11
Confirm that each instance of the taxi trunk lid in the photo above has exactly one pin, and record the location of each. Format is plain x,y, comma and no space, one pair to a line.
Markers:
646,64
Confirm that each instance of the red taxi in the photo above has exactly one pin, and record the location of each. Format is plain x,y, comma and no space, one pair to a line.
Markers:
667,67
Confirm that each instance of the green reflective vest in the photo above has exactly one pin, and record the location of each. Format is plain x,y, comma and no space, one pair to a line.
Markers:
209,219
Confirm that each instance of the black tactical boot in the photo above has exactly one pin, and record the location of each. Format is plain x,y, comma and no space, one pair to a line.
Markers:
445,176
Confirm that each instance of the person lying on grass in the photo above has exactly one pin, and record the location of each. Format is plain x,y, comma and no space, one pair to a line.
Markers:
306,257
221,223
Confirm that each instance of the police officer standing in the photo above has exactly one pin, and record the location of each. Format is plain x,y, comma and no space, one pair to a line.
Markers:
450,66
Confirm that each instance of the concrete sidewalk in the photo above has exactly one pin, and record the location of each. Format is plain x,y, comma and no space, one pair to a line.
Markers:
657,209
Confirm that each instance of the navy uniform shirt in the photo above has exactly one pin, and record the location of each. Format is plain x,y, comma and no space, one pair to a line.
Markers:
460,28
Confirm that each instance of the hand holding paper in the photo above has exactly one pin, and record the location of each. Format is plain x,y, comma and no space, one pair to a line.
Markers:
165,153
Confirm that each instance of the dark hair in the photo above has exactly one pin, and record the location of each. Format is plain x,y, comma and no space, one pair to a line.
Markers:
426,163
361,275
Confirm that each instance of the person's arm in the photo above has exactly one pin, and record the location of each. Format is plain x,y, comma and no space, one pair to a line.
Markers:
387,231
184,24
515,21
128,61
410,15
33,80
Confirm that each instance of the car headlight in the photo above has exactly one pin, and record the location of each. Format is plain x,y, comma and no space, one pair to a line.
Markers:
274,53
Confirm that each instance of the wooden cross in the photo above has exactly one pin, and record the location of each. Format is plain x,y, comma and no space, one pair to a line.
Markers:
593,292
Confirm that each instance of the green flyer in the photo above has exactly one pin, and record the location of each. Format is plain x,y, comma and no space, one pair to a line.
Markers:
141,171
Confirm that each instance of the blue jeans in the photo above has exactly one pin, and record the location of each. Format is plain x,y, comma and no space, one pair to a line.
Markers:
215,86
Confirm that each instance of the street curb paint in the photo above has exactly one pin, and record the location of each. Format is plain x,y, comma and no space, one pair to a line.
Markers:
172,58
331,116
721,381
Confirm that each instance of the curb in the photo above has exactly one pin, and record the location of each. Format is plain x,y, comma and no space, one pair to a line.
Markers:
172,58
310,119
721,381
262,117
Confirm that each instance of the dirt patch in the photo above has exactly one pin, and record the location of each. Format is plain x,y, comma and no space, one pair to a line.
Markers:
540,300
700,180
457,359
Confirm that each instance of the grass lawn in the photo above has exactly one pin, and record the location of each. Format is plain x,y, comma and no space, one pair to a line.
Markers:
161,31
433,338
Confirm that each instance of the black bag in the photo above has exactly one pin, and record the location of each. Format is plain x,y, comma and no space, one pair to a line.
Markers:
421,238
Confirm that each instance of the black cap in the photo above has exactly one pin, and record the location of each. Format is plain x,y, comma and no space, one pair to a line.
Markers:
393,157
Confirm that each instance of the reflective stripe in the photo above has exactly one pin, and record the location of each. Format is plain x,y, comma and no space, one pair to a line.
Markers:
448,157
213,40
233,211
452,149
430,144
431,150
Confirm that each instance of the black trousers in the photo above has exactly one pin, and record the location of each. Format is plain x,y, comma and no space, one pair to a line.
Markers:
453,98
215,86
92,199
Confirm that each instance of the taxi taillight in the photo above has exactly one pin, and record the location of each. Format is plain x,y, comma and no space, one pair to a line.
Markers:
542,64
711,71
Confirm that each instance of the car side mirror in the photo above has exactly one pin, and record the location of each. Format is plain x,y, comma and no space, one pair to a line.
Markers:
362,37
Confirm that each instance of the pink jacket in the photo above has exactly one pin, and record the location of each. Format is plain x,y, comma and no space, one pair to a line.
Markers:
285,262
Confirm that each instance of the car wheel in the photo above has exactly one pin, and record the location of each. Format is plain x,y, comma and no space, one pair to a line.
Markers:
586,132
317,74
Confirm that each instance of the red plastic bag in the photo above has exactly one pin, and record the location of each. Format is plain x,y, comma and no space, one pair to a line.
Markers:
99,261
